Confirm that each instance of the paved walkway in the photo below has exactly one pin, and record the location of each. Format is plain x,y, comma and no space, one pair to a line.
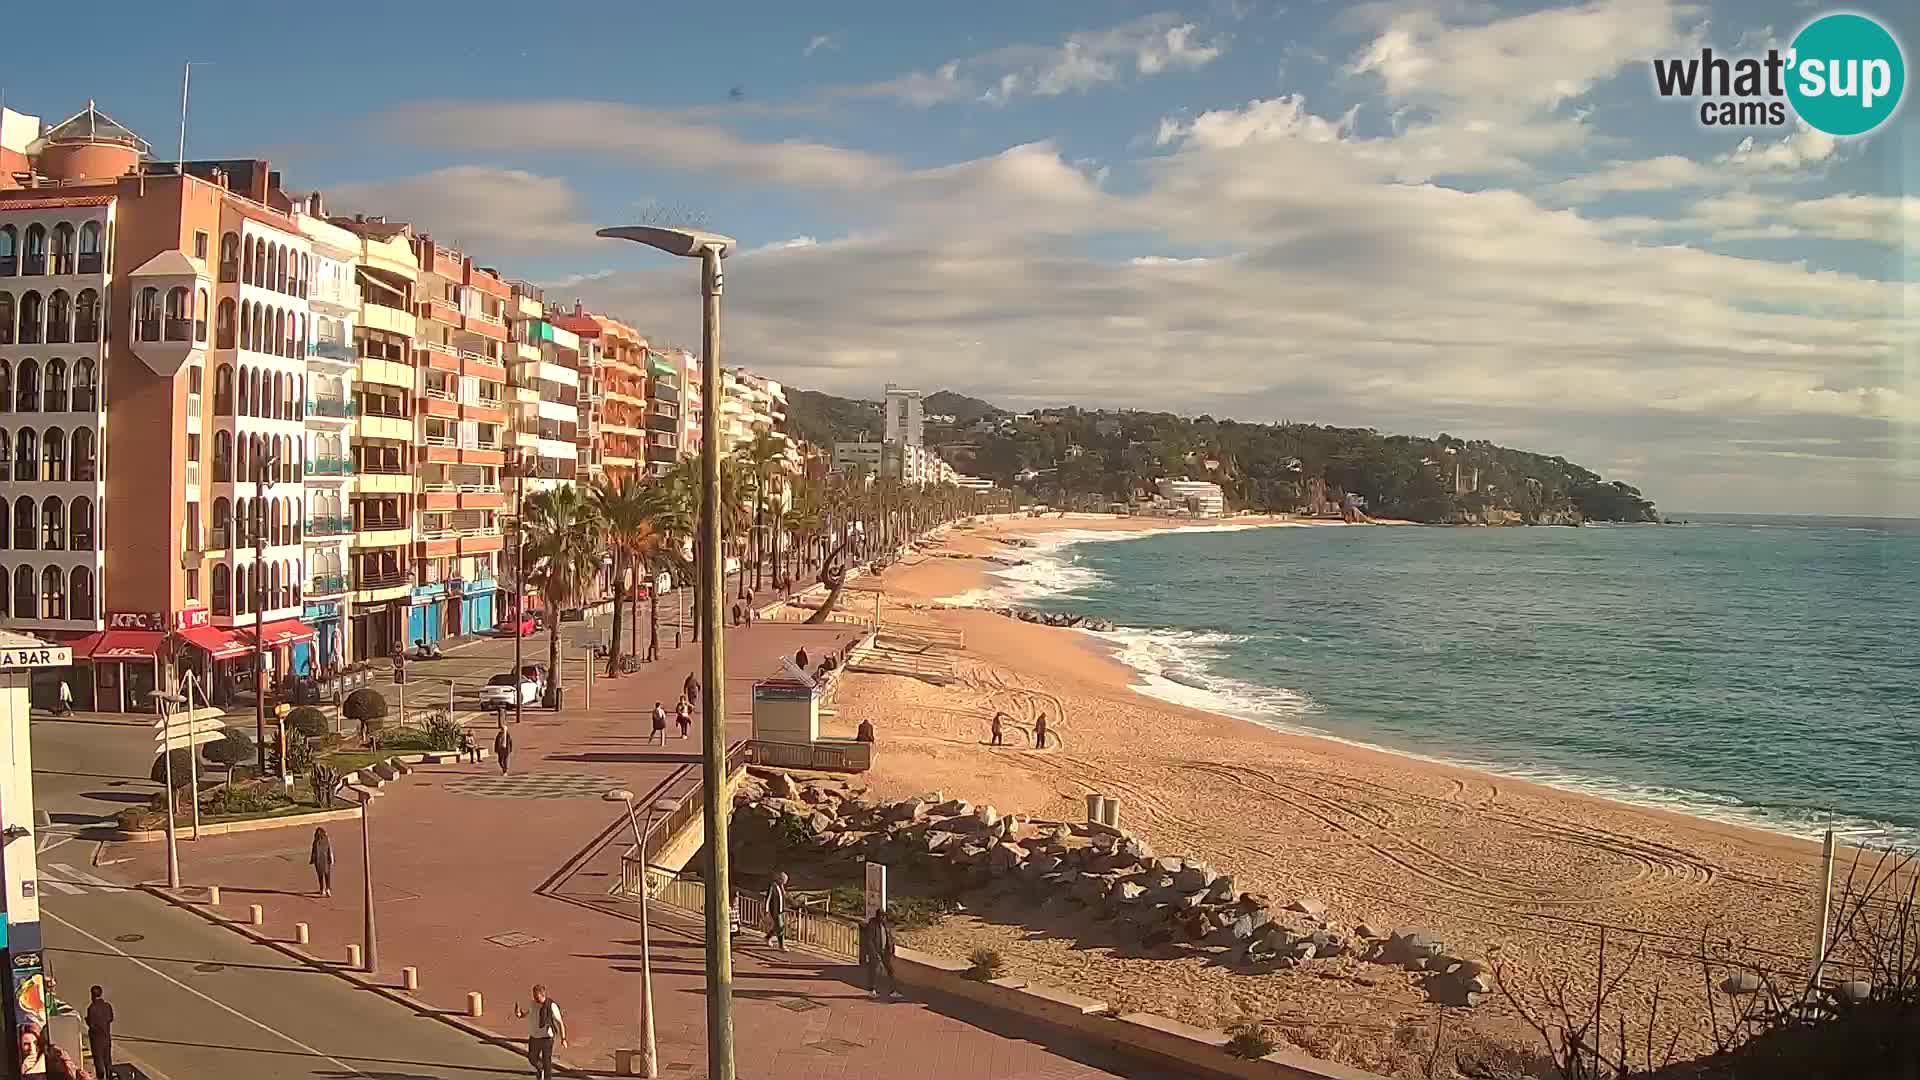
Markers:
491,883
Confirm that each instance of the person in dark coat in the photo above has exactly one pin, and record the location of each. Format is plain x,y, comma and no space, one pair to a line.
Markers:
876,952
100,1032
503,749
321,859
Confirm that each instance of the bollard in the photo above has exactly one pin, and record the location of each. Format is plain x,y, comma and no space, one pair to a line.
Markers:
1110,812
1095,815
213,896
256,915
410,978
353,957
301,933
473,1003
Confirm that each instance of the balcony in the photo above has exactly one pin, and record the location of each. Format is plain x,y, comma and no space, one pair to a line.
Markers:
332,350
327,584
330,466
337,407
328,525
662,423
386,579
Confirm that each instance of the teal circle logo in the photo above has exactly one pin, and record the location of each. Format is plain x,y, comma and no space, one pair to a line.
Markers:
1847,74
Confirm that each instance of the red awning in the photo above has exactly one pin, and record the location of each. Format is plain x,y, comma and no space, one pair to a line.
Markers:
215,642
282,632
120,645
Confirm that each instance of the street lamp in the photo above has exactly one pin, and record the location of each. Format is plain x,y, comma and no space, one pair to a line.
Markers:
372,936
649,1055
263,463
520,468
709,248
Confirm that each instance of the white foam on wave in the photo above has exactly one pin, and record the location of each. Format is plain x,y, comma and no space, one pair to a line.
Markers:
1049,569
1177,666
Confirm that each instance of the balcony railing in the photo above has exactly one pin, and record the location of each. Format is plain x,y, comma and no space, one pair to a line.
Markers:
179,329
332,406
332,350
439,394
328,525
441,488
459,534
330,466
384,580
327,584
379,524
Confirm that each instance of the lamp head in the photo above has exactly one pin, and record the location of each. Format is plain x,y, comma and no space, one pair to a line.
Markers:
684,242
618,795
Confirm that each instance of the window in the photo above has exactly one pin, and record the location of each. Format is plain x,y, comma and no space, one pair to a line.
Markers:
33,317
80,518
194,539
257,271
26,523
55,442
200,317
86,386
240,456
222,517
280,269
59,317
35,261
53,587
53,524
229,258
6,593
90,255
222,589
86,316
26,594
194,379
240,590
62,256
56,400
6,318
146,315
193,447
193,584
83,454
179,314
223,388
6,531
199,244
26,388
82,594
9,251
223,325
222,458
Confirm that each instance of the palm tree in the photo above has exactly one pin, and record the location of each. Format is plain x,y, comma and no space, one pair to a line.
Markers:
661,546
622,508
562,544
758,459
684,478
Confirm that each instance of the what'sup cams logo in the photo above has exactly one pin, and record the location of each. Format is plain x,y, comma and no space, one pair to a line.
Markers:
1844,74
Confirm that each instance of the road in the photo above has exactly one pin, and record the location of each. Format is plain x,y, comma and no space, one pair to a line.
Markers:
197,1002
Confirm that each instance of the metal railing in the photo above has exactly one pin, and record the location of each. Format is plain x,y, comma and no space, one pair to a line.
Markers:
330,466
328,525
842,757
327,584
331,406
381,581
440,395
331,350
829,933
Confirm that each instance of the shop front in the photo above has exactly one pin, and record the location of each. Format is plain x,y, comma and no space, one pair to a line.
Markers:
220,660
476,611
116,670
326,654
426,615
29,985
375,633
283,644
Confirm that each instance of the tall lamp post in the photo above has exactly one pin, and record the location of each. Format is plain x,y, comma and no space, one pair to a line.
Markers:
649,1052
709,248
263,463
520,467
372,937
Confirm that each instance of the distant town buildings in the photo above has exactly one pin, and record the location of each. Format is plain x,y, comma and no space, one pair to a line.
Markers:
1200,497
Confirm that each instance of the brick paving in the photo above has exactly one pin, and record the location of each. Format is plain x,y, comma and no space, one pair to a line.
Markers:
491,893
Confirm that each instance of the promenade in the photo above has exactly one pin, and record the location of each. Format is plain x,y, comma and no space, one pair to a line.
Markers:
490,883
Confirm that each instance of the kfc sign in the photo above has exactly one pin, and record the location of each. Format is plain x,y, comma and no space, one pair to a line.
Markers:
136,620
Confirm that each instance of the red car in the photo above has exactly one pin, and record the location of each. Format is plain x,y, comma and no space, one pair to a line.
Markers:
528,626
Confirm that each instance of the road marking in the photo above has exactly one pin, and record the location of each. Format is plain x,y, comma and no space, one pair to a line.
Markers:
60,886
81,877
62,838
221,1005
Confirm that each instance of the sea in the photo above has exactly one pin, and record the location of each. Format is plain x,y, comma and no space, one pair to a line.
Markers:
1762,671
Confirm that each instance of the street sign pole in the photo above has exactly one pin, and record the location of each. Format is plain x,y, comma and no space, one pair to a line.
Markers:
193,760
166,755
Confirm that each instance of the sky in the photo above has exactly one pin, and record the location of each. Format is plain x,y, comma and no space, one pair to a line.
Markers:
1419,216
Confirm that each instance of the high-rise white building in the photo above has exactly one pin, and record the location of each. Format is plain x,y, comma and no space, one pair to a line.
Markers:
905,419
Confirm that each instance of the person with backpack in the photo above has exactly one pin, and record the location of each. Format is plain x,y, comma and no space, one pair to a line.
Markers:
544,1025
659,725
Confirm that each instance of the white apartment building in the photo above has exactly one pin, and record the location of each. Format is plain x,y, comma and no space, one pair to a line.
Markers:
916,466
1201,496
905,422
333,293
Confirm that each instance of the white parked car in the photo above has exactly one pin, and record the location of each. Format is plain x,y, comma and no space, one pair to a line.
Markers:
499,693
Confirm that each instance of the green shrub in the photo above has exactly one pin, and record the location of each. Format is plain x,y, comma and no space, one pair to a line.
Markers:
792,830
443,732
141,818
365,705
232,748
309,722
182,768
246,799
987,965
1250,1041
324,780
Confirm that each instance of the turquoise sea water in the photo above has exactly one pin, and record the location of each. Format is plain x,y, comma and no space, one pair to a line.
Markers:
1765,671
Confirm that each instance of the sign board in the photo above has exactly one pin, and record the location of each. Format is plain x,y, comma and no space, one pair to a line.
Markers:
876,888
42,656
192,617
136,620
181,732
799,674
780,691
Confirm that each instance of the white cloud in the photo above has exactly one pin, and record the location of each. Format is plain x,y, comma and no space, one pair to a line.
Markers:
1661,173
792,244
820,41
477,207
1891,220
1803,147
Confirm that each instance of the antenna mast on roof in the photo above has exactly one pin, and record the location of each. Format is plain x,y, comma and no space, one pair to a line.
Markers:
180,162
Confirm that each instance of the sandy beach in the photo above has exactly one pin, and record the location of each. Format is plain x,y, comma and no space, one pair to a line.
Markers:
1522,875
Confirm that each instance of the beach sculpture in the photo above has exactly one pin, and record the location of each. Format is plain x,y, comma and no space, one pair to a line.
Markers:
833,574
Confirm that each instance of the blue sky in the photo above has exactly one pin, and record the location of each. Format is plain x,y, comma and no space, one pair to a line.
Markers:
1412,215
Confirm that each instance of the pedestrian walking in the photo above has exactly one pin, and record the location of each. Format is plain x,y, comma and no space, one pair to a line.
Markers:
100,1032
777,911
321,859
66,699
544,1025
876,952
800,657
503,749
691,688
683,713
999,736
659,726
1040,732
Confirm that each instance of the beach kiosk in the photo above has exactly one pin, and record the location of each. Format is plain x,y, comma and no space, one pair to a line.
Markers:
786,727
27,998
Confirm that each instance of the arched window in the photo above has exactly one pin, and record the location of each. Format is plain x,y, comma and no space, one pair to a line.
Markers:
280,269
6,387
86,385
273,523
240,593
222,457
26,455
6,593
222,590
33,318
223,325
200,312
303,345
276,588
242,524
276,404
86,317
35,261
9,251
179,315
146,315
26,388
53,524
223,382
6,541
229,257
246,324
261,270
246,263
26,523
6,318
56,399
279,332
222,518
62,249
83,455
82,595
53,593
26,594
241,458
299,457
246,391
59,317
91,260
55,444
287,458
80,519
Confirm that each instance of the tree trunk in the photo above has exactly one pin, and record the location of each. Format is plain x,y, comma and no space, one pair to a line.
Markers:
553,653
633,611
653,617
613,646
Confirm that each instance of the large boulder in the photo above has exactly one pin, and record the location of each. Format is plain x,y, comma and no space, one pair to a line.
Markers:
988,815
937,840
907,810
1126,893
1006,858
1309,907
1166,864
1136,849
818,823
783,786
952,808
1220,891
1194,875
